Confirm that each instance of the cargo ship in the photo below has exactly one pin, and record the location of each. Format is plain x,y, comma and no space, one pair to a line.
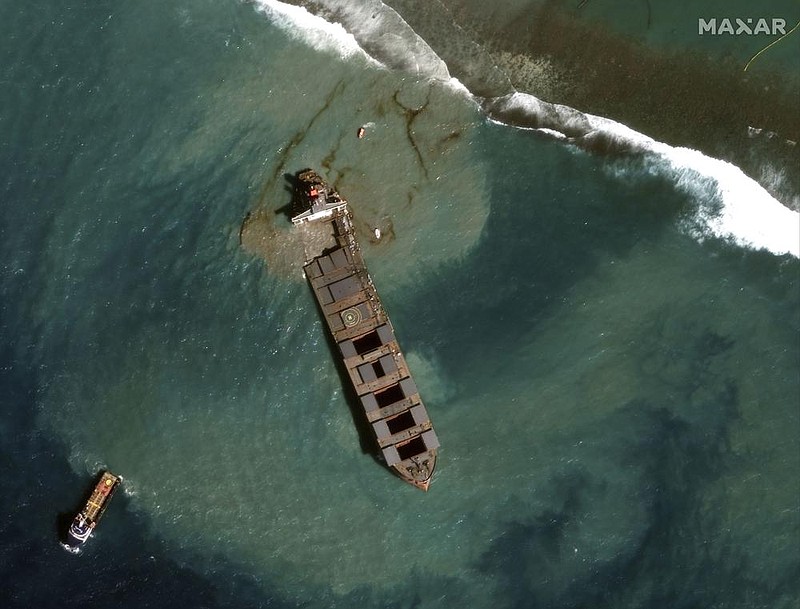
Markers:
86,520
388,396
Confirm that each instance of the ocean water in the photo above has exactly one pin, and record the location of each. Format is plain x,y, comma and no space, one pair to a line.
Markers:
609,345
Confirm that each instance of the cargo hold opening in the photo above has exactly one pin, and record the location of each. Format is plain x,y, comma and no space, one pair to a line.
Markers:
368,342
412,448
389,396
401,422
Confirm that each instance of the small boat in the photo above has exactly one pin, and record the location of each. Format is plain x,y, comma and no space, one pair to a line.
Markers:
361,132
86,520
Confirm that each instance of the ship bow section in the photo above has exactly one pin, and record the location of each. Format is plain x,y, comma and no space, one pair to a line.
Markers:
418,470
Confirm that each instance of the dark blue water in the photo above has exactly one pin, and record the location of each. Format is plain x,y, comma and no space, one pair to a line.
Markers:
616,397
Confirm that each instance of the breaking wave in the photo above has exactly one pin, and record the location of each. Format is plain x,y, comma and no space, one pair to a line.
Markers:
369,27
731,205
315,31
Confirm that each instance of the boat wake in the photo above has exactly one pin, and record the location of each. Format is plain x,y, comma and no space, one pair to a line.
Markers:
730,205
70,549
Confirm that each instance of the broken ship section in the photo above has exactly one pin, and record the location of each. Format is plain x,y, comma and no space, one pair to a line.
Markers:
365,337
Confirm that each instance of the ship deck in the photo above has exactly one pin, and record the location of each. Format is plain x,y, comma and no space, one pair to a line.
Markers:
100,496
376,367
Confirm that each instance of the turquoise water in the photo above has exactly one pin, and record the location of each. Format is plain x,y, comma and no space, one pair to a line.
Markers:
615,395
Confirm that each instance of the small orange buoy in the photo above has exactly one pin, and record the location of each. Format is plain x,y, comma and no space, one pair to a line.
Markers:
361,132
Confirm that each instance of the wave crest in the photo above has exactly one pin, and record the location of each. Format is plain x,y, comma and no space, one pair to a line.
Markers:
370,27
731,205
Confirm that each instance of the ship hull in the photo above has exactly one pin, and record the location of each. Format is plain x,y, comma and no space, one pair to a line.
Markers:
86,519
357,321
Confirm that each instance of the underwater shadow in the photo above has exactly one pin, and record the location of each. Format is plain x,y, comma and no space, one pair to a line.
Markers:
367,443
533,249
292,186
366,437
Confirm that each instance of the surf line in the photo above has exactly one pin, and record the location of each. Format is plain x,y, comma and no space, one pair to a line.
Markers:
771,44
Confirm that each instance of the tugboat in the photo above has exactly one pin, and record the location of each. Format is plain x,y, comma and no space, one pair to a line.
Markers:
360,327
86,520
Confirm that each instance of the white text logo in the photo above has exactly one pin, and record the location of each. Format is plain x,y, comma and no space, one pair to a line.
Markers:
738,27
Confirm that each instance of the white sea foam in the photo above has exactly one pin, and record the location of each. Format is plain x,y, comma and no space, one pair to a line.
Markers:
385,35
368,28
748,215
315,31
731,205
70,549
552,133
